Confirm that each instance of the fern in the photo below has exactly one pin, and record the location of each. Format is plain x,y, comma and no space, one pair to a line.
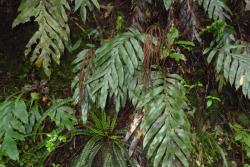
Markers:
165,126
216,9
52,33
62,115
115,63
14,117
232,59
105,142
82,5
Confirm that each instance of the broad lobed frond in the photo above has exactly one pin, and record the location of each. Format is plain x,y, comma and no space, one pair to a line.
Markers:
52,33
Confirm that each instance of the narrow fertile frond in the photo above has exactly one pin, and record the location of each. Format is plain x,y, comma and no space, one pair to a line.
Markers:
82,70
165,127
52,32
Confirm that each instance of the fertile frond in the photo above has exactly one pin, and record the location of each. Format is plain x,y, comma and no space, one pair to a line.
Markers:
115,63
165,127
82,70
83,5
14,117
232,59
216,9
52,33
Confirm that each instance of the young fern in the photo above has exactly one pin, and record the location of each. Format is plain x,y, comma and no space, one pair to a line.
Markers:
165,127
52,33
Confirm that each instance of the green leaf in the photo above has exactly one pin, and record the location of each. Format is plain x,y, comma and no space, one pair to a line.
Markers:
10,148
114,62
165,127
47,42
21,111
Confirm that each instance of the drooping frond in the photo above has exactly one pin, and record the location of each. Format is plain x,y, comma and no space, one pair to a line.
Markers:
216,9
115,64
52,32
83,5
164,125
232,59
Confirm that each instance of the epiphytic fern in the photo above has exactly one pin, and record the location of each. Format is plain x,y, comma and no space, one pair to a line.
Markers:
114,64
164,125
52,33
216,9
232,59
82,5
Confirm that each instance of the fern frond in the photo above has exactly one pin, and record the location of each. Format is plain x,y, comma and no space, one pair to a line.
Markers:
216,9
83,5
232,59
52,33
165,127
62,115
14,117
115,63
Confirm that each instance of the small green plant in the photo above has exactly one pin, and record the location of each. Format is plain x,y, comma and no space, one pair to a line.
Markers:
120,23
53,139
211,99
173,42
